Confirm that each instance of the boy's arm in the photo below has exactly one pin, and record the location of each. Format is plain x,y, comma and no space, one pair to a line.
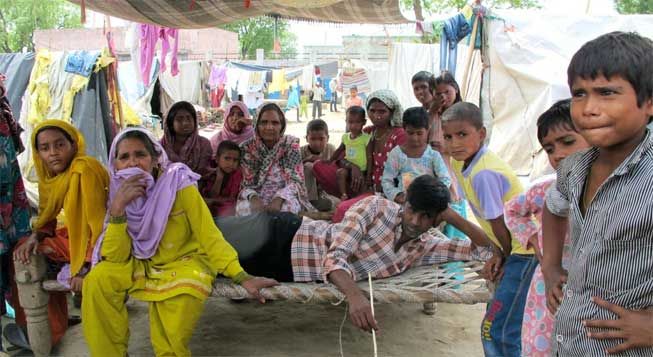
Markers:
554,229
391,171
490,188
474,232
369,149
337,153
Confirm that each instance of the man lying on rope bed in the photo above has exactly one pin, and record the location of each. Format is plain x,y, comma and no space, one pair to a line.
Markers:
377,236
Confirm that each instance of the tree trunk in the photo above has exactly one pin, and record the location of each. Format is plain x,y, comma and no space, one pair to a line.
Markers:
417,6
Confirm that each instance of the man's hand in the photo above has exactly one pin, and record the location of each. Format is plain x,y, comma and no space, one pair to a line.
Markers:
635,328
554,278
255,284
360,313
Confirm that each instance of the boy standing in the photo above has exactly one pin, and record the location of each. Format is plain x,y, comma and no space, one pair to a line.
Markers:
488,183
318,148
607,193
318,97
354,100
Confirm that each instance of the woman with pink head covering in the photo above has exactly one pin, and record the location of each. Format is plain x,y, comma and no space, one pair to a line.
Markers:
237,125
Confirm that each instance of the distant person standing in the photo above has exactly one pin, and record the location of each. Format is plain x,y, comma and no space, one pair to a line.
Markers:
318,97
333,86
354,99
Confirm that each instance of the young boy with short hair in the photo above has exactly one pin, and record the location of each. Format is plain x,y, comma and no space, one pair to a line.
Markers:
317,148
607,193
488,183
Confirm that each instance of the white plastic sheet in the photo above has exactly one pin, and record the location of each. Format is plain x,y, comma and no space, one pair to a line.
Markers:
529,54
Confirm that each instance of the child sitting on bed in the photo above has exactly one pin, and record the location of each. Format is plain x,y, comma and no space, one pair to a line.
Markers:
222,189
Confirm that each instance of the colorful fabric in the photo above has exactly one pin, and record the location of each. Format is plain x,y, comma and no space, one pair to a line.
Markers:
488,183
227,132
356,77
364,242
196,152
389,98
396,137
218,76
275,187
405,169
149,36
146,216
81,191
14,207
524,219
280,165
356,149
228,195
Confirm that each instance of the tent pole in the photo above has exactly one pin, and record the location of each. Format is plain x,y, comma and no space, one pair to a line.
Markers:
470,52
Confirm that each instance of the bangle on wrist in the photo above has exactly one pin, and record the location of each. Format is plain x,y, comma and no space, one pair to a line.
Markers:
118,219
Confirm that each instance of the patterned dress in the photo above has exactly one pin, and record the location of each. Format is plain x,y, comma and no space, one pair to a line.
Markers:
523,217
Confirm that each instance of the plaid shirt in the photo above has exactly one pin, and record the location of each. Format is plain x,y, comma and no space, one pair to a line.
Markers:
364,242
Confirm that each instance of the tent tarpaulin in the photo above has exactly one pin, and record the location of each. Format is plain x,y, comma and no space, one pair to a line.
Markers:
528,72
17,67
201,14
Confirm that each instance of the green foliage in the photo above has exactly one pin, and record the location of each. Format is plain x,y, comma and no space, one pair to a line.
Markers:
635,6
19,19
258,32
439,6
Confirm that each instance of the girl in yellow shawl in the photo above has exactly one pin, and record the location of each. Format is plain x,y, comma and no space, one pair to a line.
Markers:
78,184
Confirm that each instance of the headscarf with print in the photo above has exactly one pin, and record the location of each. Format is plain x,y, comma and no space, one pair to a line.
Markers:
9,127
258,159
389,98
81,191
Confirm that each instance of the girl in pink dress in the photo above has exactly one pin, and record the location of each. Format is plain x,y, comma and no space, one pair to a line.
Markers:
523,216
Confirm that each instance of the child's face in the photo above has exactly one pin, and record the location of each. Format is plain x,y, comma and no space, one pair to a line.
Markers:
447,94
605,111
228,161
422,92
317,140
355,123
353,92
55,150
416,137
463,140
561,142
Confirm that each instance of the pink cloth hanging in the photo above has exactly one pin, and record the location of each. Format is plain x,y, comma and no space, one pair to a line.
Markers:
149,36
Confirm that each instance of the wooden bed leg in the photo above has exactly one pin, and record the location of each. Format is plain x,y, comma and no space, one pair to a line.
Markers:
430,308
34,300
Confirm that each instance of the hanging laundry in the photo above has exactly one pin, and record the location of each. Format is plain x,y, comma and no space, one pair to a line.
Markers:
454,30
279,83
216,96
218,76
81,62
149,36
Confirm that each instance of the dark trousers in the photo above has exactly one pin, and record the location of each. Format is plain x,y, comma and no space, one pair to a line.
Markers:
333,106
317,107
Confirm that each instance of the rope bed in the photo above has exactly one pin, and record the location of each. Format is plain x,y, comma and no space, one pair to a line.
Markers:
425,284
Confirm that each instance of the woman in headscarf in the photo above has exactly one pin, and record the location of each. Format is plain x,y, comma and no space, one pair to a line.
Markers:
160,245
385,112
14,208
182,141
71,181
273,173
237,125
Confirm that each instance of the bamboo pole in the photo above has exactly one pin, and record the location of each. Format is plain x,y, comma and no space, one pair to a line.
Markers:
468,62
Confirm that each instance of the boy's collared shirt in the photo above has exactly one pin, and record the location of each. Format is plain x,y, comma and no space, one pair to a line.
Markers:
488,183
364,242
611,246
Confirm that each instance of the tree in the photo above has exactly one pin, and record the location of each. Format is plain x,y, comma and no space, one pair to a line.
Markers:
439,6
258,32
19,19
635,6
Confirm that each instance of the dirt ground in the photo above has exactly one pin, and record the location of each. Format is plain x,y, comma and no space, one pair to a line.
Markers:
292,329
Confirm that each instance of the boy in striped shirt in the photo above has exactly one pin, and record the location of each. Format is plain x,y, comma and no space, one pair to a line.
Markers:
604,302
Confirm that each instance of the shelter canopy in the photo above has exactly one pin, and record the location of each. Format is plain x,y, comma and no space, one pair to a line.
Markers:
204,13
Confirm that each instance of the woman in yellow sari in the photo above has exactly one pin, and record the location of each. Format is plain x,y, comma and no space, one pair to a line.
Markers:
160,245
71,181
